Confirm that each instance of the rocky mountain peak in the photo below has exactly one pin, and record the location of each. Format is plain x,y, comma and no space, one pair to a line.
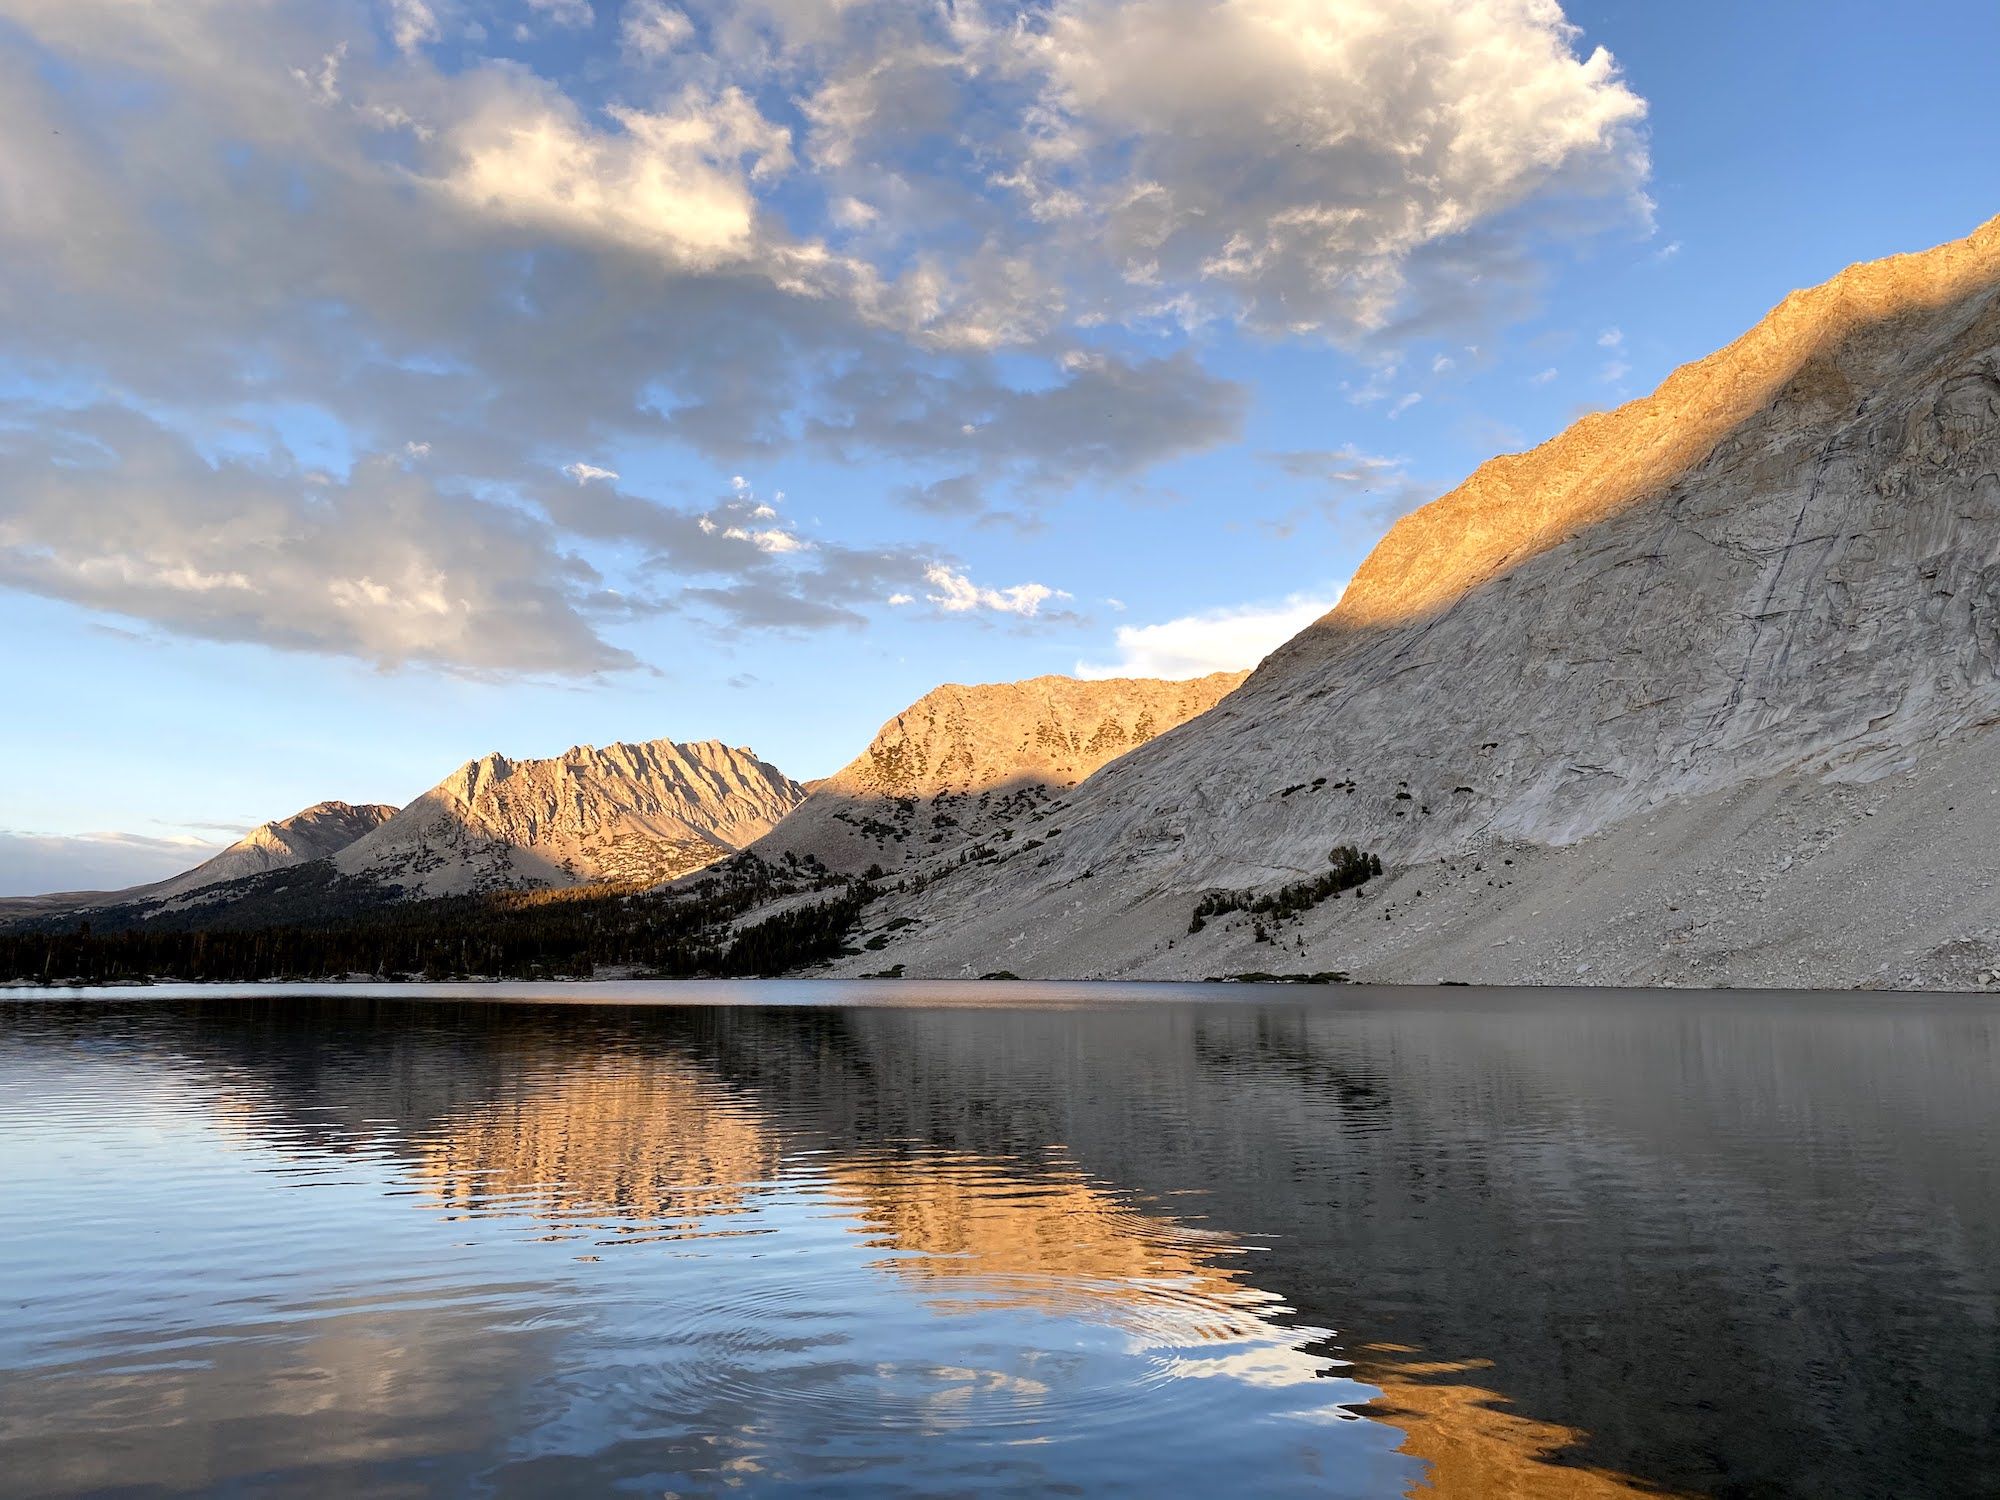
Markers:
964,761
641,812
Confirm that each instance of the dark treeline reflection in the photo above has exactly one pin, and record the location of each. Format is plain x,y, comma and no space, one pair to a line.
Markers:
1581,1246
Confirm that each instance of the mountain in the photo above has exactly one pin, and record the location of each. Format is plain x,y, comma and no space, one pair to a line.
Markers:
323,829
963,763
642,813
1702,690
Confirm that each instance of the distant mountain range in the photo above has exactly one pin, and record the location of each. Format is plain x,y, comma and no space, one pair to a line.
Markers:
958,762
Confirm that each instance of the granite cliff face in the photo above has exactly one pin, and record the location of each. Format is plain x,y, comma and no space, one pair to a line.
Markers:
1751,621
964,763
641,813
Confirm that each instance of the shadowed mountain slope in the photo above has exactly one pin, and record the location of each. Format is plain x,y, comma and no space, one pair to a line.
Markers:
1753,619
963,763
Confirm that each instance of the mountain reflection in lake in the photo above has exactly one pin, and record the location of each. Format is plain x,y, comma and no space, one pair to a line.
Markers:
1326,1243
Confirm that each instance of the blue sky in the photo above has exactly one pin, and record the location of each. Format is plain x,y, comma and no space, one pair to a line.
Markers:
389,381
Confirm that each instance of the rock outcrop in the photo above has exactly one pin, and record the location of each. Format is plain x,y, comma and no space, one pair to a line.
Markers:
639,814
963,764
1678,662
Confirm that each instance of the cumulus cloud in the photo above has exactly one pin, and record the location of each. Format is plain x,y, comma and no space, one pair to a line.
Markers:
934,238
958,594
652,29
1301,154
411,24
1305,166
675,183
1216,640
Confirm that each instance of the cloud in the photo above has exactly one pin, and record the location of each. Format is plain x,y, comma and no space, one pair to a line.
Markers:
1105,418
1354,485
411,24
728,562
673,183
965,246
111,511
1216,640
583,473
957,594
33,863
652,30
564,12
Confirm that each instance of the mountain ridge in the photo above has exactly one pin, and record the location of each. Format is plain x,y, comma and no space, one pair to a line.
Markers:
1777,577
636,812
967,760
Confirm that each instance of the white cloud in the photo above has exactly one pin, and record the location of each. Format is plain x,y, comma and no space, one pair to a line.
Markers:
583,473
1611,338
111,511
852,213
1216,640
565,276
411,24
674,184
768,539
323,83
958,594
564,12
652,29
1303,155
1543,377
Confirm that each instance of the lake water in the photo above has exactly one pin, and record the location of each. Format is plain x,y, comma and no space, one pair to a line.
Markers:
927,1239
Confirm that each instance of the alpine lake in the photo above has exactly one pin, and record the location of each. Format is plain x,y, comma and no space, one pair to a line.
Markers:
910,1238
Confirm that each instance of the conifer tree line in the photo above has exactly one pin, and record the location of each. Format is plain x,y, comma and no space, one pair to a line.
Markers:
504,935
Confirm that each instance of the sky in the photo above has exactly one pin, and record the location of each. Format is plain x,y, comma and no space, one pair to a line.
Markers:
385,382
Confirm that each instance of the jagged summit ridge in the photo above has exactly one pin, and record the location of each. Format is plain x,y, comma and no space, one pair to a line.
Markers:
322,829
964,761
639,813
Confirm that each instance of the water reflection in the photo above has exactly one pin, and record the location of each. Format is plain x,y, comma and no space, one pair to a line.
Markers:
1458,1248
